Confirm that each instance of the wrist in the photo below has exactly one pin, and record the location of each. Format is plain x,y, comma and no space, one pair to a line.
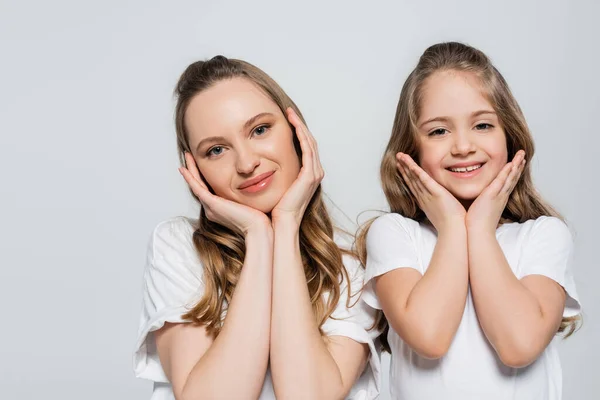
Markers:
260,229
481,229
452,225
285,222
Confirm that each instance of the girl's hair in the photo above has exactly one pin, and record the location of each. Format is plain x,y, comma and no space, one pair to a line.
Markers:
524,202
221,250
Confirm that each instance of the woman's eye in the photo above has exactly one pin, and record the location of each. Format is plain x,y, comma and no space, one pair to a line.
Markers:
215,151
437,132
261,130
483,126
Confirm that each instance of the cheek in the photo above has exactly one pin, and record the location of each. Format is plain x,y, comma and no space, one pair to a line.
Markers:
498,156
281,149
497,146
430,162
217,178
290,164
429,169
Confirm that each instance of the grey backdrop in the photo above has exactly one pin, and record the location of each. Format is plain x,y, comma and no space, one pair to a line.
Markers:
88,160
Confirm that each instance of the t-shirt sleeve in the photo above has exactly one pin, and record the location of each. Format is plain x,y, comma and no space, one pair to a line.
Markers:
354,319
390,245
548,251
172,285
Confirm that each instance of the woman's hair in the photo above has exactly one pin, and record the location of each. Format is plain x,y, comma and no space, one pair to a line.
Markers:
221,250
524,203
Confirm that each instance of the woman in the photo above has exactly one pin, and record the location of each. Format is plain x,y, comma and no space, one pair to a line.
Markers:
255,299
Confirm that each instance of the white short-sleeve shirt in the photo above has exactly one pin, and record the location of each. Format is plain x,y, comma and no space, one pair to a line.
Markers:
173,285
471,369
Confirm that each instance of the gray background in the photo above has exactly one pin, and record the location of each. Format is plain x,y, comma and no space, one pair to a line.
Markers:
88,160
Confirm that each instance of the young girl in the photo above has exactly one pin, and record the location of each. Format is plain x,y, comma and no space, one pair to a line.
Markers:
253,300
471,268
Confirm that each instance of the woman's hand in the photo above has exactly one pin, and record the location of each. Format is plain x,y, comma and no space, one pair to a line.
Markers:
235,216
295,200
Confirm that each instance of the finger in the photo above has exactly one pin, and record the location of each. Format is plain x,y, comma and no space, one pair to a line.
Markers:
508,183
197,187
498,183
408,181
413,184
513,178
519,156
407,163
191,166
317,159
308,162
515,173
296,122
428,184
417,187
317,168
310,140
301,128
413,173
299,124
403,172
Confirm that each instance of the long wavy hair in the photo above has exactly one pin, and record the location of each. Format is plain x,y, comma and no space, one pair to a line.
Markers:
524,203
222,250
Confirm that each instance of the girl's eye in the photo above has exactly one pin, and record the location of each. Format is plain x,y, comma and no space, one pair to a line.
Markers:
437,132
483,126
215,151
261,130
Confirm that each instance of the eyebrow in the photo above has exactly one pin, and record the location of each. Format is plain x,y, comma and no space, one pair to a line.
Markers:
446,119
211,139
252,120
246,126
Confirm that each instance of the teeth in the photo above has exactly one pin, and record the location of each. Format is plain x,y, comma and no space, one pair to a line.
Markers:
466,169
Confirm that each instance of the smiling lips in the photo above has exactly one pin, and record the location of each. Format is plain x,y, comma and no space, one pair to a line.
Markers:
465,170
257,183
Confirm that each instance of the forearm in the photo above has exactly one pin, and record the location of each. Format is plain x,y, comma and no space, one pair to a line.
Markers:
434,308
301,365
509,314
235,365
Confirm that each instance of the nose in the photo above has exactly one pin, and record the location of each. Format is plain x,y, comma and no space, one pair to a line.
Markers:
463,144
247,160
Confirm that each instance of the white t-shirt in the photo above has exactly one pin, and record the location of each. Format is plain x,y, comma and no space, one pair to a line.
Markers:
471,369
173,285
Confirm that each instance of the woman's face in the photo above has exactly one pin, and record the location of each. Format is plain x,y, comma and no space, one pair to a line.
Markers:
242,143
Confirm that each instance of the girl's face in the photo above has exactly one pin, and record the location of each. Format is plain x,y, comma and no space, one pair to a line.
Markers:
242,143
461,142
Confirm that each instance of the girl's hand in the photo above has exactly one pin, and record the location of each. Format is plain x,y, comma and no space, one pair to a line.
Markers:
440,206
295,200
486,211
235,216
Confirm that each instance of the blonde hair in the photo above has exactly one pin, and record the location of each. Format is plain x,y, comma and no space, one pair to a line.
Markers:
524,203
221,250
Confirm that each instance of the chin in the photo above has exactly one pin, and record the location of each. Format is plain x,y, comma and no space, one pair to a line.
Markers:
264,205
468,194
